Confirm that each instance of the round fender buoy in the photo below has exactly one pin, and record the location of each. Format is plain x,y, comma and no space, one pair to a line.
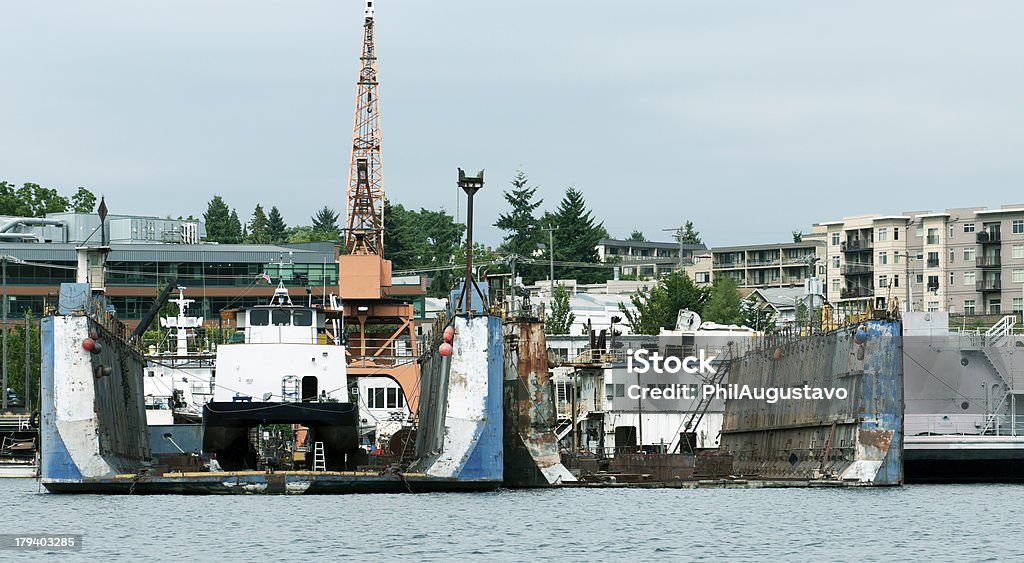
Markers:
445,349
860,337
449,334
777,355
88,344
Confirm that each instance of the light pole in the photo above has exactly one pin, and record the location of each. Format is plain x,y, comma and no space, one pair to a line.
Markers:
551,256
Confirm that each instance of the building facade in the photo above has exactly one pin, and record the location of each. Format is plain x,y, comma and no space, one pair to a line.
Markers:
768,265
647,259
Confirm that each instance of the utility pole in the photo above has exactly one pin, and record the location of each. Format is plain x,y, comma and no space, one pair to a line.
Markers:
3,386
679,237
28,361
551,258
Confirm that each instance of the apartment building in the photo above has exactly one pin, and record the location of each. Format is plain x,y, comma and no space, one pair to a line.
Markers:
963,260
647,259
769,265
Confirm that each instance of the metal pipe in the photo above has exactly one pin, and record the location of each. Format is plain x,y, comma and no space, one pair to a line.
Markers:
22,236
3,386
30,222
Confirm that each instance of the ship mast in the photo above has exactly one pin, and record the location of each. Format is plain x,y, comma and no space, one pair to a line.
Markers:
365,230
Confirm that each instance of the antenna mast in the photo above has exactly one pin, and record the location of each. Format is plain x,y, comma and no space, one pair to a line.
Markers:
365,231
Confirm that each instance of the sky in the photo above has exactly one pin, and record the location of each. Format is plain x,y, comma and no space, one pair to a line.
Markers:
752,119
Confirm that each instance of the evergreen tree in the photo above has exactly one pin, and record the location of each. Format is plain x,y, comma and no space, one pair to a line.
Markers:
520,223
277,231
689,234
637,236
798,236
441,238
325,224
258,227
561,318
576,237
724,303
218,221
758,316
234,228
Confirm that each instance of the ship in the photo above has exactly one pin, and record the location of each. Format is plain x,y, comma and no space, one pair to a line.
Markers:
962,417
845,427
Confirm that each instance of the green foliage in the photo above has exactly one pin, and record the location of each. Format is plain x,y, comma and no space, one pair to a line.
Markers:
222,224
325,225
83,201
33,200
277,230
758,316
659,306
258,228
521,225
426,240
16,359
561,318
637,236
576,236
798,236
300,233
401,241
689,234
724,303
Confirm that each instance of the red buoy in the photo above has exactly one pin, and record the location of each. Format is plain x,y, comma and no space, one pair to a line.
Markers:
445,349
449,334
778,354
88,343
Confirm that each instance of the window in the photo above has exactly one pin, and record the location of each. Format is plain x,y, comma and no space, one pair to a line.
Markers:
1018,304
895,257
920,255
883,234
895,233
835,239
1017,275
995,307
883,257
969,228
303,317
969,278
933,236
896,280
375,397
1018,251
969,254
920,231
1018,226
933,306
952,255
280,317
951,231
920,278
835,286
968,306
835,261
933,283
952,279
883,281
933,259
259,317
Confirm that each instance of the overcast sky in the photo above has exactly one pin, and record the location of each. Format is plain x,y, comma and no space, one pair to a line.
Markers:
750,118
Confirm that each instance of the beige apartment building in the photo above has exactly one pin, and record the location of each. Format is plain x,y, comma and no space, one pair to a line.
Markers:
769,265
965,260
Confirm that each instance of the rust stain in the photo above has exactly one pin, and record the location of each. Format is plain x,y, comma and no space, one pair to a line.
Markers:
876,438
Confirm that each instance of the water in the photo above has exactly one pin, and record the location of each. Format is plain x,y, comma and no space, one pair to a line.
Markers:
944,522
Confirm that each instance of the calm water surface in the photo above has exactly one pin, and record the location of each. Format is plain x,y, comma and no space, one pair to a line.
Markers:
951,522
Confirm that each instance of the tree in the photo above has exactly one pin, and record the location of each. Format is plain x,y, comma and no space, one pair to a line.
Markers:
325,224
658,307
219,227
234,228
724,303
689,234
758,316
798,236
258,227
637,236
440,237
561,318
277,231
520,223
83,201
30,200
401,245
576,237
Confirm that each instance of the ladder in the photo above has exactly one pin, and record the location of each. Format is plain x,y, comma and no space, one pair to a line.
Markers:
319,460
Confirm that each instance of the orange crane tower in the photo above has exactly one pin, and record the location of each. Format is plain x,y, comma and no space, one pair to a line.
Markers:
380,328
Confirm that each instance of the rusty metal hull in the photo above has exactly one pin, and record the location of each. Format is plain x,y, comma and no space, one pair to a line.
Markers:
531,447
859,438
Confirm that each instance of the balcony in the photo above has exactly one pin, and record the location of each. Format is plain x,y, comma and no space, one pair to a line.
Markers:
989,261
726,265
933,262
989,237
989,285
856,245
933,239
857,292
856,269
762,263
